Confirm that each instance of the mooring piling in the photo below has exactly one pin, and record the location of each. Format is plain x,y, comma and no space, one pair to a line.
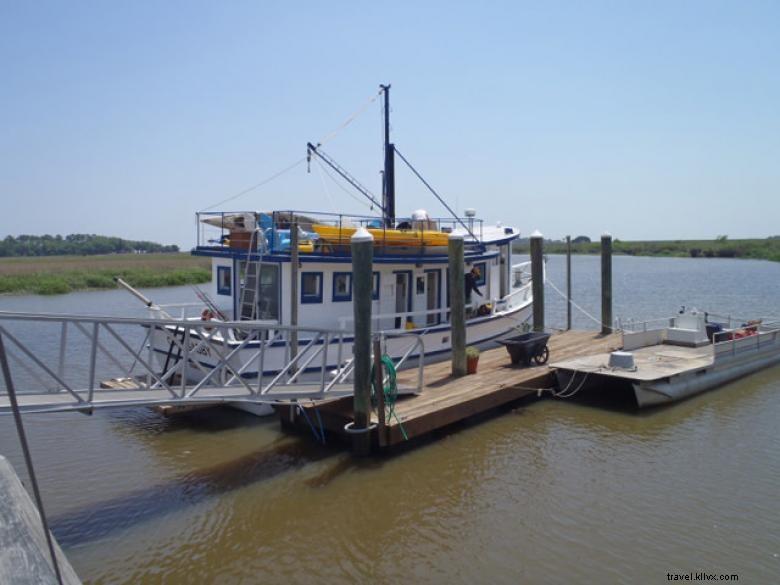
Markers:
362,243
537,279
606,283
457,304
568,283
294,276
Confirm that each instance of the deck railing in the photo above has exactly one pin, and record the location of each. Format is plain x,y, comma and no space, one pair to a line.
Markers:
61,360
260,232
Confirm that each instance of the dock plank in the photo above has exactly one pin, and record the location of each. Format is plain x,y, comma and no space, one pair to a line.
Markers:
446,400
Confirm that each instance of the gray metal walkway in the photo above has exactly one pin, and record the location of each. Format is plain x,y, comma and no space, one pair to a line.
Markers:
56,362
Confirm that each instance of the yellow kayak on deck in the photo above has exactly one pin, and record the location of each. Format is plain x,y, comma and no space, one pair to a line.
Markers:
390,237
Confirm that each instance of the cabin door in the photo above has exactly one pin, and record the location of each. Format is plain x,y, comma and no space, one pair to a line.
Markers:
432,296
402,297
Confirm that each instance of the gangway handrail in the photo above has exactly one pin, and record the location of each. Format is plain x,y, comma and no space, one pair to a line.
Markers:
223,377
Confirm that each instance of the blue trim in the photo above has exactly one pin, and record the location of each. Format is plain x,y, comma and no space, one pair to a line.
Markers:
312,298
227,287
342,297
343,258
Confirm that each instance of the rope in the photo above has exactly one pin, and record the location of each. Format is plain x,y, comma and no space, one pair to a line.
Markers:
555,288
390,390
566,392
319,436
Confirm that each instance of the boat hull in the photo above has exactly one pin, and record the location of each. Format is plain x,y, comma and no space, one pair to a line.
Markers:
659,392
414,344
728,361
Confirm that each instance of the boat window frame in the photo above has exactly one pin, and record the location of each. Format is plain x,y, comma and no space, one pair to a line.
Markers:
312,298
342,297
225,280
437,318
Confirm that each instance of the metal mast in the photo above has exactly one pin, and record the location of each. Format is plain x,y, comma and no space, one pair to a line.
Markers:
388,177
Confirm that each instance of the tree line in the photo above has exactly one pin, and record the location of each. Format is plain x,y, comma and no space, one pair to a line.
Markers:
77,245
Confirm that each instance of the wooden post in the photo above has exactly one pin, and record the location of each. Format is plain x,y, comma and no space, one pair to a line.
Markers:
457,305
606,283
362,243
568,283
380,393
293,289
537,279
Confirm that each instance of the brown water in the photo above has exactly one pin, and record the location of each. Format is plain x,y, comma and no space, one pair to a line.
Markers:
551,492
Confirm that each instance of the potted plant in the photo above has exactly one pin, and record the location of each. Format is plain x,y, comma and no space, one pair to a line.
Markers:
472,359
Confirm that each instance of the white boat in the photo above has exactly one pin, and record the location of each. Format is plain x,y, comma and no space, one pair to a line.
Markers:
671,359
254,277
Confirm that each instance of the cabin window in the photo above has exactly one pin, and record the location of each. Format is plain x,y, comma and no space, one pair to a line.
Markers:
224,280
311,287
375,288
482,266
342,286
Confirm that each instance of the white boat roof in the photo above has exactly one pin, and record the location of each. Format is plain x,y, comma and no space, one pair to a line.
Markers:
490,234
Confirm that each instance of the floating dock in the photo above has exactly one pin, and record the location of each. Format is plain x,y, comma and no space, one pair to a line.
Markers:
445,399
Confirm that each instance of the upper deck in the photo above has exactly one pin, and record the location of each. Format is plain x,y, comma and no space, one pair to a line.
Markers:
327,235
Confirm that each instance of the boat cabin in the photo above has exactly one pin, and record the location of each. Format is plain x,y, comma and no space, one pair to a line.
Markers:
252,267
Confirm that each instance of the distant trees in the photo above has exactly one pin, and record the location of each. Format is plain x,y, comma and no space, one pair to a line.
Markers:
581,240
76,244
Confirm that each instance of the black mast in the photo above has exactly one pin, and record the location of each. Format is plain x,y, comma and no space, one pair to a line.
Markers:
388,177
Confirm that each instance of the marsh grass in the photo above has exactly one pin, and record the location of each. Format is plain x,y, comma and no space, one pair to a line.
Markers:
49,275
757,249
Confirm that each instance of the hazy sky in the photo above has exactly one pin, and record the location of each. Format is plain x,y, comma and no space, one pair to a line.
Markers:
650,120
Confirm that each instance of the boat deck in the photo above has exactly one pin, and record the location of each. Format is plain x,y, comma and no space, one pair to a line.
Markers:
652,363
446,400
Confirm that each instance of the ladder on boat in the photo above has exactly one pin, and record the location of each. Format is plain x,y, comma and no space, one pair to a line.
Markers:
247,301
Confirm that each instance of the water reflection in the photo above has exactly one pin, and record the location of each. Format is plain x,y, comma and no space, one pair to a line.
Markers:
102,518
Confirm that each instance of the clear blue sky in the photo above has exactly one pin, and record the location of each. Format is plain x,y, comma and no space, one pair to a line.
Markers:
650,120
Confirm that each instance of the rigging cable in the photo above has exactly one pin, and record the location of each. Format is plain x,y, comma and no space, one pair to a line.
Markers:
444,203
332,134
342,187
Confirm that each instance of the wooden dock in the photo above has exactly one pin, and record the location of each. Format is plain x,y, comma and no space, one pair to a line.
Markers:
446,400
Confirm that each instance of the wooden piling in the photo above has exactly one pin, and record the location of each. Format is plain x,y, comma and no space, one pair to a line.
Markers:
294,276
537,278
362,244
568,283
606,283
457,305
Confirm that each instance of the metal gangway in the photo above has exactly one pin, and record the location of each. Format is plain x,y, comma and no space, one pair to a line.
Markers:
56,362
